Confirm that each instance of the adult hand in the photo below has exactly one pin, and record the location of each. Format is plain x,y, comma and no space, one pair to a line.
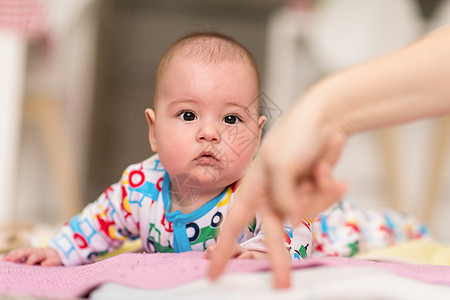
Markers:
238,252
288,176
291,179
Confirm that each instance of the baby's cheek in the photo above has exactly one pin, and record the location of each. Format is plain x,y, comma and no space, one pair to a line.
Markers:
241,163
240,144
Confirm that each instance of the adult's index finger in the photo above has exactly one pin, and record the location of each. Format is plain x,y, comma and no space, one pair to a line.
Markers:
279,257
237,218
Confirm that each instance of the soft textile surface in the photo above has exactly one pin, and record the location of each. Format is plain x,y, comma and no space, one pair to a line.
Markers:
420,251
163,270
344,282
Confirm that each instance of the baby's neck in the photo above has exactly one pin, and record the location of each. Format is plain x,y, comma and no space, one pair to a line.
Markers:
191,199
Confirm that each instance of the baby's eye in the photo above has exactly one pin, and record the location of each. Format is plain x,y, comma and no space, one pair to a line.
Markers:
187,116
231,119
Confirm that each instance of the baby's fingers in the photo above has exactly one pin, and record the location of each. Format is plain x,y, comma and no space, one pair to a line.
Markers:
49,262
35,257
17,255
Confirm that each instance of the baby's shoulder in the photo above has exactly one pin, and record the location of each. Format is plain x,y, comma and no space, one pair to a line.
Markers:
150,169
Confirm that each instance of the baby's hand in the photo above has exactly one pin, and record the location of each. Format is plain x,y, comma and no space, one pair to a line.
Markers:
34,256
238,252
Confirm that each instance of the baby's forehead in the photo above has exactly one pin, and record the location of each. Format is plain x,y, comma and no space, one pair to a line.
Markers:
192,64
180,60
182,69
185,80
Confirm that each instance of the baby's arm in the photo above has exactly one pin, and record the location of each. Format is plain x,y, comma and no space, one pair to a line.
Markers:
101,227
71,245
34,256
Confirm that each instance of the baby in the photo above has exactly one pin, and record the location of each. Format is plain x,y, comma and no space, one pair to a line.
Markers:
205,128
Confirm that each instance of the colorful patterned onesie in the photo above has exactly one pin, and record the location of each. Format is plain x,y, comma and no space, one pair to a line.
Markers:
138,207
344,230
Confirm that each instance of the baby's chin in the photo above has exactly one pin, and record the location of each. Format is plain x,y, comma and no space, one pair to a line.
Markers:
214,180
205,178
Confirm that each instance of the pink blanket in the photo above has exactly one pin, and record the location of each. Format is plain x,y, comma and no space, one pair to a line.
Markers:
163,270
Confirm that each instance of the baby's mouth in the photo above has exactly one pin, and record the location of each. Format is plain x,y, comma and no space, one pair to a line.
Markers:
206,159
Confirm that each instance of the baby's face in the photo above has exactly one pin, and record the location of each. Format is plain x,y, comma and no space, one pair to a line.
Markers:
206,122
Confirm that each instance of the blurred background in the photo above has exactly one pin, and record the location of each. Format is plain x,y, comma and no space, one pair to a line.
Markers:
76,76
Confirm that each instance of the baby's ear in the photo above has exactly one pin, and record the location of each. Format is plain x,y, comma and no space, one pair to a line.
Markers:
150,114
261,121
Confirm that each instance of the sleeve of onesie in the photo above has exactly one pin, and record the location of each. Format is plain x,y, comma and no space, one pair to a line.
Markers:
346,230
101,227
296,239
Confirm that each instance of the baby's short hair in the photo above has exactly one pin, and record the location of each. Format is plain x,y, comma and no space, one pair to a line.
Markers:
208,48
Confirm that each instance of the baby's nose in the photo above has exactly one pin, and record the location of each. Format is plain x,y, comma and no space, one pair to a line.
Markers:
209,133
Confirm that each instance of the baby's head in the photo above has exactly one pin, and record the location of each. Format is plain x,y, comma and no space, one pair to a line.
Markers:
209,48
206,119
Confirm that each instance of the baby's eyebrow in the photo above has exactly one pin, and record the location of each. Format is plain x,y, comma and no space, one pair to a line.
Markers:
181,101
233,103
188,101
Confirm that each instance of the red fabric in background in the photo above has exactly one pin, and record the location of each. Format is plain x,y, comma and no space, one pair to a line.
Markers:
25,17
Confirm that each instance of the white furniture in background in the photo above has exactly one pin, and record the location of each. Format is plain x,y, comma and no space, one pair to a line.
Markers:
12,62
46,93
